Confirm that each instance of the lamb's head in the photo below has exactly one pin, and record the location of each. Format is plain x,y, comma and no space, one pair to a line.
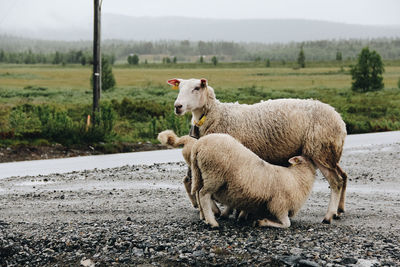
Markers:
302,161
193,94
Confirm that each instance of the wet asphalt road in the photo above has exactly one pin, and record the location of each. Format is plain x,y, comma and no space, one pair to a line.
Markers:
140,215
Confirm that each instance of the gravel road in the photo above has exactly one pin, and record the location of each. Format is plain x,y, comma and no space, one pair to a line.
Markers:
140,215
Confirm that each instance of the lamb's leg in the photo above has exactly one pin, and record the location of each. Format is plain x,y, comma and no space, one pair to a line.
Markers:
341,207
336,184
215,208
206,203
227,211
187,182
283,222
200,207
243,215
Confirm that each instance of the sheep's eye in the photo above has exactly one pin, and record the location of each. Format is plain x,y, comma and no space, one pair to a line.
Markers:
196,88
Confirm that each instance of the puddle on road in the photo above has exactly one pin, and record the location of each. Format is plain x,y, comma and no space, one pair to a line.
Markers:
34,183
386,188
162,185
31,186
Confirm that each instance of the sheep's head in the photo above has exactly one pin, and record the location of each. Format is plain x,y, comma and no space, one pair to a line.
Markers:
192,94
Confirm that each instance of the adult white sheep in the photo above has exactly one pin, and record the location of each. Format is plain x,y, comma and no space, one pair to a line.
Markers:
275,130
227,171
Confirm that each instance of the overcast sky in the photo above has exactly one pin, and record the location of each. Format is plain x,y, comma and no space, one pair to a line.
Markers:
58,13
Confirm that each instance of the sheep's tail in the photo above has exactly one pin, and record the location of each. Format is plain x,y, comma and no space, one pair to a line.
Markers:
169,138
197,180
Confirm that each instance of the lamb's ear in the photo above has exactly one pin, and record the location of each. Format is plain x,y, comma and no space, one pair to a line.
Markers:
203,83
295,160
175,83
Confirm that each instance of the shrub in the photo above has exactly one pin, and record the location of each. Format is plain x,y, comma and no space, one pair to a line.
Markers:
140,110
133,59
29,121
24,122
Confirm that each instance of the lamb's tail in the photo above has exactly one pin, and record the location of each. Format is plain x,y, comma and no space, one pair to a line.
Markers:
197,180
169,138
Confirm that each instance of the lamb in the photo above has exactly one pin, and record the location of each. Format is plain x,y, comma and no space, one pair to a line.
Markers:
275,130
170,139
227,171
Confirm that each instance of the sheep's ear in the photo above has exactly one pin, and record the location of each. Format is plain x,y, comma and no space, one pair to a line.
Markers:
203,83
175,83
295,160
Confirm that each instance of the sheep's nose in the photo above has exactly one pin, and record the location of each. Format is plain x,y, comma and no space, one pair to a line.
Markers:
178,108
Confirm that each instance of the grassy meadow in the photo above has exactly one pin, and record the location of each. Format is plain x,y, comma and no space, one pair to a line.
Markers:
37,99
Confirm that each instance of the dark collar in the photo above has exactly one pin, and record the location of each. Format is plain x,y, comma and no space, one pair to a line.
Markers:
195,129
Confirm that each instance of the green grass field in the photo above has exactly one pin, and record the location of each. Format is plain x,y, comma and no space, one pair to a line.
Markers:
142,102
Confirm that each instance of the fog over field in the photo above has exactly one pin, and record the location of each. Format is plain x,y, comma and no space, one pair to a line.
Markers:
116,26
248,21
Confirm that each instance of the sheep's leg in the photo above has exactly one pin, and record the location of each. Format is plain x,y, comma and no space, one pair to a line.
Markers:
283,222
215,208
206,203
187,182
341,207
227,211
243,215
201,213
336,184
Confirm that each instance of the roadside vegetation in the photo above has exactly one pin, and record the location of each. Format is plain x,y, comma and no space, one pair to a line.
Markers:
44,104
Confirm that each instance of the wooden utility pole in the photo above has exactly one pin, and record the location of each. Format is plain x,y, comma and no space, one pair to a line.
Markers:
96,57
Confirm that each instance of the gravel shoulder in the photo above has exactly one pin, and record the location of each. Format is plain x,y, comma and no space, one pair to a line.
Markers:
140,215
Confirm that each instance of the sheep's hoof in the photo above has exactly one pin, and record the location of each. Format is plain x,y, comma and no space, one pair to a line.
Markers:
224,216
336,217
325,221
258,223
213,226
340,211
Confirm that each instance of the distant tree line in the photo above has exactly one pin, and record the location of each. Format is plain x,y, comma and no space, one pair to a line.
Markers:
20,50
70,57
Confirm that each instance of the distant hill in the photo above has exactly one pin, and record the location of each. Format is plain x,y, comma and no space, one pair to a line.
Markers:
195,29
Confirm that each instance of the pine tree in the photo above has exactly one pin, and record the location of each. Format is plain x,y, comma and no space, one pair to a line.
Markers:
301,59
267,63
367,73
214,60
2,56
107,77
57,58
339,56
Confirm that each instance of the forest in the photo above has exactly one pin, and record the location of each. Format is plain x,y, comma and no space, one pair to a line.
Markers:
29,51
